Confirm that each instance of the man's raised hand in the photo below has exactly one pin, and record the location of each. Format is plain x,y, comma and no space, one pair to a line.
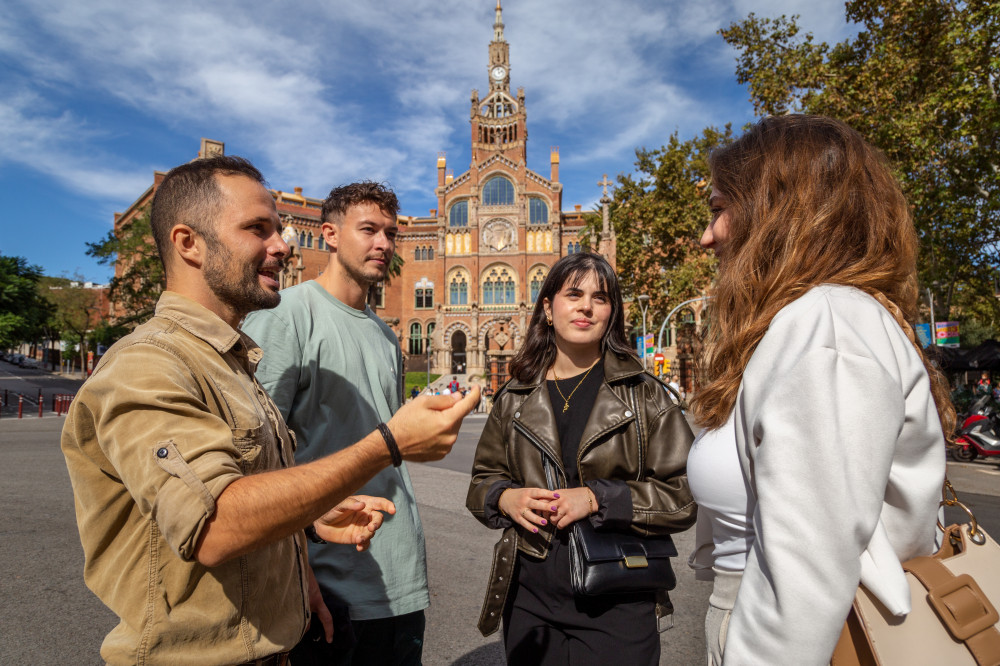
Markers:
427,427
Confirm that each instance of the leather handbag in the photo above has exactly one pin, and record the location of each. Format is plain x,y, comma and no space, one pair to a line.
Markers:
954,618
617,563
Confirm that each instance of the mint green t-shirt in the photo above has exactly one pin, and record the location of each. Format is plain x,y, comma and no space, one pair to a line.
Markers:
335,373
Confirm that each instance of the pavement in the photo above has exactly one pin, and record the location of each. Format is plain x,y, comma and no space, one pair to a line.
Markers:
49,617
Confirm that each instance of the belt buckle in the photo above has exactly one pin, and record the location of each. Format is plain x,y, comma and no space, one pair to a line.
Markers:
959,629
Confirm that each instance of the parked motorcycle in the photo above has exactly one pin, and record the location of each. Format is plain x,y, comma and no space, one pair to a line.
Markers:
980,438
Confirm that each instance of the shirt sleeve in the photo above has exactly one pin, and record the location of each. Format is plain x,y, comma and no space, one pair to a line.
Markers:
279,370
821,439
170,452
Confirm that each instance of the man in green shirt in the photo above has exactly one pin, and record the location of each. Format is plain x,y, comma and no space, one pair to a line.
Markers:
191,514
334,369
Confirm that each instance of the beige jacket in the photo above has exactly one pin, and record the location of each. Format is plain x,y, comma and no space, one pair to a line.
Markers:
171,416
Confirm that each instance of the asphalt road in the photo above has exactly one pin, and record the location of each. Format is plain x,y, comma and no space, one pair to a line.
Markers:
49,617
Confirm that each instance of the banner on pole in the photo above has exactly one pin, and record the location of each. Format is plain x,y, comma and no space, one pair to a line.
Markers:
946,333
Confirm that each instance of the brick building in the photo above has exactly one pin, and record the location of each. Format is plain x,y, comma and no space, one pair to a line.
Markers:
473,266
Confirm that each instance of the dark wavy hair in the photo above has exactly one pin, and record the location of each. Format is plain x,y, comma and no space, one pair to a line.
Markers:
539,350
341,198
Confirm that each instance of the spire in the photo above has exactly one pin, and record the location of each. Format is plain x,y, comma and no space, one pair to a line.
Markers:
498,25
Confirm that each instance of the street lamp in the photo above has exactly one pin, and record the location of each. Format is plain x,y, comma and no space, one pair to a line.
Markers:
659,339
428,363
643,306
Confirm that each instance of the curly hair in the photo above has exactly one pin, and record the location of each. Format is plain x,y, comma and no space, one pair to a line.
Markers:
342,198
810,202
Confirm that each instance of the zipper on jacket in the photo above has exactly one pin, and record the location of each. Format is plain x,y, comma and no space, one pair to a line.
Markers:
547,455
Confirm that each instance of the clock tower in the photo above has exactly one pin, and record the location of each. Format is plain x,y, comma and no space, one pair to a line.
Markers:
498,120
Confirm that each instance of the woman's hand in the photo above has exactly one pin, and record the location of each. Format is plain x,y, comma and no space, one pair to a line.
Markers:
571,505
353,521
528,507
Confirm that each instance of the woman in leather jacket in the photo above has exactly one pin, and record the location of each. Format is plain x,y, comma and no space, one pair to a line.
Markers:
579,403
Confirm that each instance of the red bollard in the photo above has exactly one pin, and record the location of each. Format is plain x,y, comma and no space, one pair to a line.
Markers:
41,407
20,405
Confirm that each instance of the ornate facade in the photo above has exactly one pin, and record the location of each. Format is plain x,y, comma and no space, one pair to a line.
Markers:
473,266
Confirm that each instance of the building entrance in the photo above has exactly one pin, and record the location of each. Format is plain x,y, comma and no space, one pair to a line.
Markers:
458,363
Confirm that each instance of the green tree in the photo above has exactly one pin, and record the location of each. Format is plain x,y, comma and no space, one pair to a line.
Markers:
139,278
75,311
659,213
23,310
920,81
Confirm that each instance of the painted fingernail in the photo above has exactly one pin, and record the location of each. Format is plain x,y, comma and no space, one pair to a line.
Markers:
535,530
556,495
543,521
554,509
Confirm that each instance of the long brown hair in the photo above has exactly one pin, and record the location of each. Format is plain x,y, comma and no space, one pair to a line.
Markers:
538,352
810,202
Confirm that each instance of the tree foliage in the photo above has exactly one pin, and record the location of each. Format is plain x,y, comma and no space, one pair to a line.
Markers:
23,310
659,213
919,80
75,311
139,277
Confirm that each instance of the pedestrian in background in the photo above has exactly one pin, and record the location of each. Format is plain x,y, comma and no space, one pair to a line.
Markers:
824,454
575,383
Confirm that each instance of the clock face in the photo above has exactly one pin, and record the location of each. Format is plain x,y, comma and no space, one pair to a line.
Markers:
498,72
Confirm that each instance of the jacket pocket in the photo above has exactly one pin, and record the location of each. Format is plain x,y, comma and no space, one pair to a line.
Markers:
250,443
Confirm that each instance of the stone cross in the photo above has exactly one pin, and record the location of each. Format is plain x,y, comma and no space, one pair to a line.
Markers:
604,183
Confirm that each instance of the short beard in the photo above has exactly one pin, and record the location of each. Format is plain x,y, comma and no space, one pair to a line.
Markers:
238,287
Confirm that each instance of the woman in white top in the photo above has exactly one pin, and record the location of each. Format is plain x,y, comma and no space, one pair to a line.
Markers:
823,457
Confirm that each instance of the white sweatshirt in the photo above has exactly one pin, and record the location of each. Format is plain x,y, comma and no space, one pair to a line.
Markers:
841,444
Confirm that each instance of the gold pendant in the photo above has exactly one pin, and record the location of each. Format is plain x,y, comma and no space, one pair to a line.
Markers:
566,407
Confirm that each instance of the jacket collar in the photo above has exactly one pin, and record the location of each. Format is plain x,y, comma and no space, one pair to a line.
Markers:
200,322
615,370
536,415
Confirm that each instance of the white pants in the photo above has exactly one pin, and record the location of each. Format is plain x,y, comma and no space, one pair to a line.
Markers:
720,607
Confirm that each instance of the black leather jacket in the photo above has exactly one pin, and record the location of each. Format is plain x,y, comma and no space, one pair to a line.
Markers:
521,432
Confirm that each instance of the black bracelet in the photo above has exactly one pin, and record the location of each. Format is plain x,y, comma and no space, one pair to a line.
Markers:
390,442
312,536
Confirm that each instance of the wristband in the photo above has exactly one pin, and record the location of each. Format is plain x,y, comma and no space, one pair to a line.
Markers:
502,512
311,534
390,442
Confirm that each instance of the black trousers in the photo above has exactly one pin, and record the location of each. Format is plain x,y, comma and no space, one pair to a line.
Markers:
545,624
390,641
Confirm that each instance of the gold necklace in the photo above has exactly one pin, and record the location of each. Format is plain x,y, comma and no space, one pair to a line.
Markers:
564,397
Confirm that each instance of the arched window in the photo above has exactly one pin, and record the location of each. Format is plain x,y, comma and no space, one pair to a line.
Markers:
458,289
459,215
430,329
572,248
537,278
499,287
538,212
429,254
498,191
321,242
416,344
302,239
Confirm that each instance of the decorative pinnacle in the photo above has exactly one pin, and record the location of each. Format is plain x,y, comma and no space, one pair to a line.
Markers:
498,25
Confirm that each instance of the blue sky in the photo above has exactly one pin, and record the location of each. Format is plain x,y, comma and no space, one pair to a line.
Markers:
99,94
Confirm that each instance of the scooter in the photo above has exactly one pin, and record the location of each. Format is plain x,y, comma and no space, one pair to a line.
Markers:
979,438
981,409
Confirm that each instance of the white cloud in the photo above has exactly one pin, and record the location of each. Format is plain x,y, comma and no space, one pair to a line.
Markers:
56,144
327,92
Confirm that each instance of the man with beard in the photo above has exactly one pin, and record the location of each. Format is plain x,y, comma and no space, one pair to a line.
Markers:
335,371
190,512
